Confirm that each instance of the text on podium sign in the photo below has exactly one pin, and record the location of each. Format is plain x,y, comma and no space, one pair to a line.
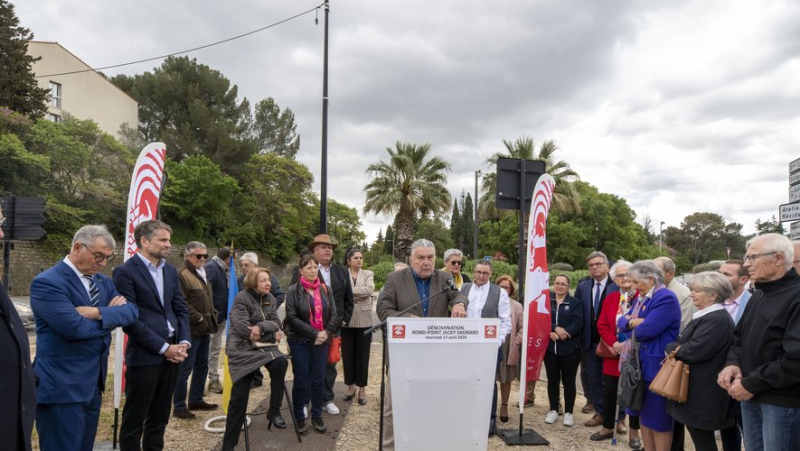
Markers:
447,331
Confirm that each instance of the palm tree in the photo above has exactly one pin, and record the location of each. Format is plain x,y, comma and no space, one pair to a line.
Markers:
410,185
565,199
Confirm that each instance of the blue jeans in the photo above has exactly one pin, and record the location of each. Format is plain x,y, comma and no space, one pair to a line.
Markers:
195,364
309,363
770,428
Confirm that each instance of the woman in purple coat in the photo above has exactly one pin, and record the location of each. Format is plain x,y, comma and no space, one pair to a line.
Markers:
655,320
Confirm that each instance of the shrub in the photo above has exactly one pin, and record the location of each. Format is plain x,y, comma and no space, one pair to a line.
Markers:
381,270
561,267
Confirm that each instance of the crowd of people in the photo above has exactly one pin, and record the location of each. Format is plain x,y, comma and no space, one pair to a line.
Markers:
738,329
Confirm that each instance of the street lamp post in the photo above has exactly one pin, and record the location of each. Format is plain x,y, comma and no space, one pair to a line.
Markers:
660,235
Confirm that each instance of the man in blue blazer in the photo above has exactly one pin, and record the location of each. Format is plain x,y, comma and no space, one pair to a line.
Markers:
158,340
737,275
592,292
75,309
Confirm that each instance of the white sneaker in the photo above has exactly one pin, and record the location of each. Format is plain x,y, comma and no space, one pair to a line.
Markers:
568,421
331,408
551,416
305,411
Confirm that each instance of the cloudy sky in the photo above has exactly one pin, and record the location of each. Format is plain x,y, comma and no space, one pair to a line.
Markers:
677,106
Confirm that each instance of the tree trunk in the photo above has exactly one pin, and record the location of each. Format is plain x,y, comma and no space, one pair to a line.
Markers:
404,235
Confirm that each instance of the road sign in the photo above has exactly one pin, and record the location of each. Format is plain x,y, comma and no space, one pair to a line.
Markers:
789,212
794,166
794,230
794,179
794,193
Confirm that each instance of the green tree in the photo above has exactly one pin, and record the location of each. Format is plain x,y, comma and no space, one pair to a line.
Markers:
197,198
769,226
194,110
455,224
410,185
467,225
277,215
388,246
437,232
565,199
344,226
704,236
19,90
274,130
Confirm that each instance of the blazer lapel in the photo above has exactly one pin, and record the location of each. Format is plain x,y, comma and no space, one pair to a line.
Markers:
145,273
411,292
76,283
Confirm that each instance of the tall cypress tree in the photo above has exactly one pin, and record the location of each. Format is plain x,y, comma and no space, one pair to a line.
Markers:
388,245
18,88
467,224
455,225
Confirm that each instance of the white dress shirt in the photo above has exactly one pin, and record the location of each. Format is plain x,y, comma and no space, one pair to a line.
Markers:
477,299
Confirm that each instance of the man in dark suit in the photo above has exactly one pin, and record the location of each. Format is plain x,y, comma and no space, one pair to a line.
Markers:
76,309
18,403
591,292
338,279
217,273
407,287
158,340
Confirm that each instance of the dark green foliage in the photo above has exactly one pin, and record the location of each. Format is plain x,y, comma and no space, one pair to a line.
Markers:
19,90
381,270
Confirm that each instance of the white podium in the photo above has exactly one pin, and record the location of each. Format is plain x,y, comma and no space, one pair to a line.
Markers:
442,372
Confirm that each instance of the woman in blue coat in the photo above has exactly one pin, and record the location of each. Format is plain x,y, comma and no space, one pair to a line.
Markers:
656,321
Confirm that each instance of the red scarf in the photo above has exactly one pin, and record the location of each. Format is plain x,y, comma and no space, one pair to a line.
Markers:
315,312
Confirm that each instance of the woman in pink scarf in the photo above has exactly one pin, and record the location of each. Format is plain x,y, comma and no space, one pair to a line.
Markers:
311,318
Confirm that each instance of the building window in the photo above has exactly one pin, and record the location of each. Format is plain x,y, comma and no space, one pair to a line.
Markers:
53,117
55,94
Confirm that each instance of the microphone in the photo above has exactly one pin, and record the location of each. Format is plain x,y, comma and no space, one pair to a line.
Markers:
452,285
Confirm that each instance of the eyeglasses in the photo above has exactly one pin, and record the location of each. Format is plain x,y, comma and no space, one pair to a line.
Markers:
752,257
483,273
98,256
455,262
201,256
595,265
505,287
621,276
560,284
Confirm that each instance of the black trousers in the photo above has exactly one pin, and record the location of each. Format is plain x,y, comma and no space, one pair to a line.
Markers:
610,402
561,369
703,440
148,402
355,355
678,436
240,395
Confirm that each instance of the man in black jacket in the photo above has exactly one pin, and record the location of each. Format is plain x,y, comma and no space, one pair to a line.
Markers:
18,403
763,366
337,278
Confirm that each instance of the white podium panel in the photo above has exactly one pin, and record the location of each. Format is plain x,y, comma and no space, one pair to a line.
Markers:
442,372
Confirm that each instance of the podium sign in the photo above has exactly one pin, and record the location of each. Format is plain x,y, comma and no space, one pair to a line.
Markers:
442,372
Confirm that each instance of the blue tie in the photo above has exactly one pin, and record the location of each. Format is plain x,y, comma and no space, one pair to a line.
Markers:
94,292
596,299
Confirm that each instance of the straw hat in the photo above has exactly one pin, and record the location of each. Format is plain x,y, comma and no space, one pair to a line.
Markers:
322,238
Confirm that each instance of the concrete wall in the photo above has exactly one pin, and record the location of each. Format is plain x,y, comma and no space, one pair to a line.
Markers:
85,95
29,259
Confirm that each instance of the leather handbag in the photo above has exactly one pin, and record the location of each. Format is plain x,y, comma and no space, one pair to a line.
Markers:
604,351
672,380
334,352
630,389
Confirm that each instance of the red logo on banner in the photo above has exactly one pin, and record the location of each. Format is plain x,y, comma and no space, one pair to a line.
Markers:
399,331
490,332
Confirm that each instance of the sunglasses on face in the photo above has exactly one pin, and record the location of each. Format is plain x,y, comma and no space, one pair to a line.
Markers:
201,256
456,262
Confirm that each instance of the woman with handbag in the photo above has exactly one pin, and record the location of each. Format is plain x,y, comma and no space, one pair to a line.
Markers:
704,345
615,306
311,319
654,320
564,349
253,339
356,345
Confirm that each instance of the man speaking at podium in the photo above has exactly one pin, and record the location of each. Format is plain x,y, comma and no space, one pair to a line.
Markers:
424,285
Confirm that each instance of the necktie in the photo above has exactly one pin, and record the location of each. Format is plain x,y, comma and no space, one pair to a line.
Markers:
596,298
94,292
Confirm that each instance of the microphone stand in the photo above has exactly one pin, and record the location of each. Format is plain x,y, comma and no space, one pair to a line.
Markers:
384,367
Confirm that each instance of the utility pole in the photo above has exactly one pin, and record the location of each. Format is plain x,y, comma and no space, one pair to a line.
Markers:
323,198
660,235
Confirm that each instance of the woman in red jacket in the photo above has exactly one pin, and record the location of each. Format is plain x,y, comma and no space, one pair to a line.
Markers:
614,306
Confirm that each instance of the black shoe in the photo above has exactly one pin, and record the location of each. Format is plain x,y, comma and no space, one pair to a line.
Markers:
362,401
274,416
301,427
256,383
183,413
202,405
492,428
319,425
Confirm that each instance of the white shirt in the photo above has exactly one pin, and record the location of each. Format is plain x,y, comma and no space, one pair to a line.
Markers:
601,288
707,310
80,275
477,299
732,305
202,273
326,274
157,273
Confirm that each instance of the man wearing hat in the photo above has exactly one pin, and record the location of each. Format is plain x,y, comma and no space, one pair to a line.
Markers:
336,278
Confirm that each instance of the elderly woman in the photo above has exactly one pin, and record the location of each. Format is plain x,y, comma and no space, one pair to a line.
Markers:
654,320
704,345
564,349
615,305
509,368
311,318
356,345
252,343
454,263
